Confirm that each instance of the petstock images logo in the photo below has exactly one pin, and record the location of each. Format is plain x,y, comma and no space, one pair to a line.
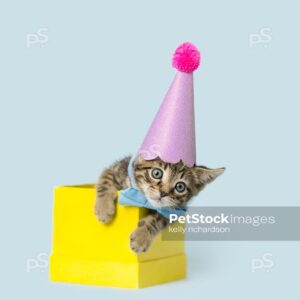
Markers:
235,224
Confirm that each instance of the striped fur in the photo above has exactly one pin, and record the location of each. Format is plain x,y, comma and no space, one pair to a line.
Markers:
161,192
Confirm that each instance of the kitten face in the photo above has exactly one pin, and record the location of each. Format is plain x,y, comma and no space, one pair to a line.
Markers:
171,185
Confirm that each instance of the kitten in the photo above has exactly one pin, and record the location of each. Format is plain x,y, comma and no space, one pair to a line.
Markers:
163,184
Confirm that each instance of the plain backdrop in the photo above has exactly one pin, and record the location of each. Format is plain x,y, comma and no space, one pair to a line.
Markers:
80,84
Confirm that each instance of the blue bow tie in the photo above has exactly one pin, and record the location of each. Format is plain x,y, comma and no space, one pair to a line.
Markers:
133,197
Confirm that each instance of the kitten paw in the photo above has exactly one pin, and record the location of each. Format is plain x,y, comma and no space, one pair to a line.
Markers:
140,240
104,209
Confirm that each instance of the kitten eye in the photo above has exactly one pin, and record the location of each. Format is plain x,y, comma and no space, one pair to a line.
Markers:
157,173
180,187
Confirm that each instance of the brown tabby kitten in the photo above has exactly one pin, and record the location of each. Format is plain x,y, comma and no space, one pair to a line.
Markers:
163,184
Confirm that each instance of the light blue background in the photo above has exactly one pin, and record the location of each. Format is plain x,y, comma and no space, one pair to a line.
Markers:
87,97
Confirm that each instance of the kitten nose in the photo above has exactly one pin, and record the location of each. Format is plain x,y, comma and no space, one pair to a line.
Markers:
163,194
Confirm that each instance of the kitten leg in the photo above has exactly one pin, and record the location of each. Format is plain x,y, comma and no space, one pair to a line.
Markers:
105,199
147,229
111,180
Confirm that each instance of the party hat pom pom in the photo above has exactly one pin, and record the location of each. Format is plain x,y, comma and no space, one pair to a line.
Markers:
186,58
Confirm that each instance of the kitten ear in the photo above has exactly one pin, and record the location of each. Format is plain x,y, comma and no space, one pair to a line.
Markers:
205,175
138,159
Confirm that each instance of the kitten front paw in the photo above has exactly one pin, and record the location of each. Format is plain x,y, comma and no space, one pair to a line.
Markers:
140,239
104,209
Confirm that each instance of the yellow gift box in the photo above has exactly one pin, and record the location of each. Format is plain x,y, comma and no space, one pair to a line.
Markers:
88,252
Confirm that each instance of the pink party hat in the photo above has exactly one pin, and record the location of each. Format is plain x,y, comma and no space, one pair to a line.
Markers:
171,136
